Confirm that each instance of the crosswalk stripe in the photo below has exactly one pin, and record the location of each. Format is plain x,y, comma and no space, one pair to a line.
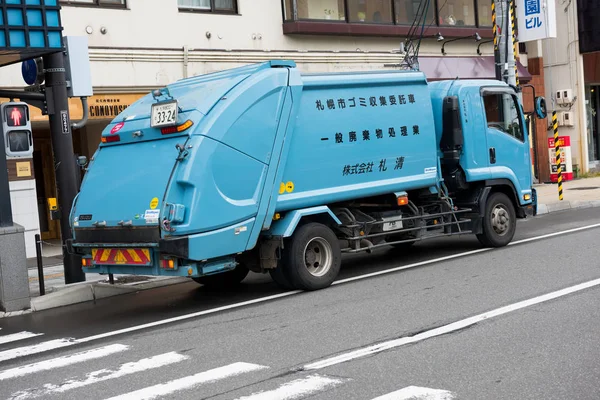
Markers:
417,393
18,336
296,389
60,362
35,349
103,375
189,382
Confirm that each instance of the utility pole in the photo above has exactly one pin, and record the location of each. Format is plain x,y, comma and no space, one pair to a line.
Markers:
6,218
62,143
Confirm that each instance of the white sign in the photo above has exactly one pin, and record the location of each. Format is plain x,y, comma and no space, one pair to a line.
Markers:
537,19
164,114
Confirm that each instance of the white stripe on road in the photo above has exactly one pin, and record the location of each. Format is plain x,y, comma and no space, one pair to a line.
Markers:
58,344
296,389
417,393
18,336
103,375
60,362
189,382
35,349
293,292
367,351
460,255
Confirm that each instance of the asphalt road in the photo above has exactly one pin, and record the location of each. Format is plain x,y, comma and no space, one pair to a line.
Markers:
422,329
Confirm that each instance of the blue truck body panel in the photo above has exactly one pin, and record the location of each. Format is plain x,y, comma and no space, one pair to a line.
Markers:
265,139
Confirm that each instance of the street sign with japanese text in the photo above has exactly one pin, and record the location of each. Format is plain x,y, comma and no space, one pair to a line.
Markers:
536,19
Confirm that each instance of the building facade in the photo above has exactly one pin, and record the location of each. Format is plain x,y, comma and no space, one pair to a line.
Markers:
139,45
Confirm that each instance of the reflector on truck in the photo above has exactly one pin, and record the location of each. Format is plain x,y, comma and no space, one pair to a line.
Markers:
121,256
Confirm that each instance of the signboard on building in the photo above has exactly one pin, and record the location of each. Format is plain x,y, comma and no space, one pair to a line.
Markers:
536,19
566,163
100,106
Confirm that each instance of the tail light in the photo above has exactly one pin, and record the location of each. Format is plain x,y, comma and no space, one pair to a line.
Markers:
178,128
167,263
111,139
86,262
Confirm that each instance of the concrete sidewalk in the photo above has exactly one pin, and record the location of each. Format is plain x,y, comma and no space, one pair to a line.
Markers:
581,193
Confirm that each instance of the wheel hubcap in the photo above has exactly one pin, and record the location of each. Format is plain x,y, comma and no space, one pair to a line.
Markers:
500,220
318,256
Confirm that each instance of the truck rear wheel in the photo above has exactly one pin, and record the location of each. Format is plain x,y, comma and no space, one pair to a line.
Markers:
499,221
312,260
224,280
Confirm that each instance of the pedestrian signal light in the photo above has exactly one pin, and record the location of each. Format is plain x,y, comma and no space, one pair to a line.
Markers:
16,116
16,129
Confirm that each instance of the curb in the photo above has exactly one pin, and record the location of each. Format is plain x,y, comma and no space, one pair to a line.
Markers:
566,205
82,292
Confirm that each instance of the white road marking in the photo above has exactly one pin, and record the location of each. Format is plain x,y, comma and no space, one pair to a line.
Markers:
293,292
35,349
259,300
460,255
417,393
296,389
60,362
18,336
103,375
189,382
367,351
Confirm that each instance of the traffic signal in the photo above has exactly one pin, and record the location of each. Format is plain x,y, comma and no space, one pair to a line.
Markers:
16,129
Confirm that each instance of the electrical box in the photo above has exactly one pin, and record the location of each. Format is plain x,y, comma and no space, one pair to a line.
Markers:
566,118
77,66
564,96
16,129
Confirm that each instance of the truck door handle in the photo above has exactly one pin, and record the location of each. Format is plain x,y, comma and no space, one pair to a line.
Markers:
492,155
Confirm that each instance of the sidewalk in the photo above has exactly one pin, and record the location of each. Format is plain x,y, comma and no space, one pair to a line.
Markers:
581,193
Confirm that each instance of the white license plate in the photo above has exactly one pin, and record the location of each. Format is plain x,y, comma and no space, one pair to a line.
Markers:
393,225
164,114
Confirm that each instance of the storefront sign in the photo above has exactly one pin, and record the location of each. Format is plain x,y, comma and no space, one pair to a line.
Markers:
565,159
536,19
100,107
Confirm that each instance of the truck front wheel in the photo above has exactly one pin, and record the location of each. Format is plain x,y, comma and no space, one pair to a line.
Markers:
312,259
499,221
224,280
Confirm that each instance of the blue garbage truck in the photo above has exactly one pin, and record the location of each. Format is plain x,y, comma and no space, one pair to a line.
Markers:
263,168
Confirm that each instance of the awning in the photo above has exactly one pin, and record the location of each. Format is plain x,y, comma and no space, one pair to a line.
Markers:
445,67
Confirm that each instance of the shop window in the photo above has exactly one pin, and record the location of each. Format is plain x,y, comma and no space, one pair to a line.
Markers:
316,10
97,3
407,11
502,114
371,11
457,13
228,6
484,12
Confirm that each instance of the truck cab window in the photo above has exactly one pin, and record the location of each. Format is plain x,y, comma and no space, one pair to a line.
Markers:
502,113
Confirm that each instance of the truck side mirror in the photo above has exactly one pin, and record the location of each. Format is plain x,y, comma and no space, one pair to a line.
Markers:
540,107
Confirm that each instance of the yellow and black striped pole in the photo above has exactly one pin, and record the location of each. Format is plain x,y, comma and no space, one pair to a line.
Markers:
512,13
497,67
557,150
494,27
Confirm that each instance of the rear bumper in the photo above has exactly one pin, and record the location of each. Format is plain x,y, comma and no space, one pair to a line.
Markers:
181,267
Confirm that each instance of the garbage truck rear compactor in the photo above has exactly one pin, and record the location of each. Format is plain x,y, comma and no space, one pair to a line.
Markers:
261,168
